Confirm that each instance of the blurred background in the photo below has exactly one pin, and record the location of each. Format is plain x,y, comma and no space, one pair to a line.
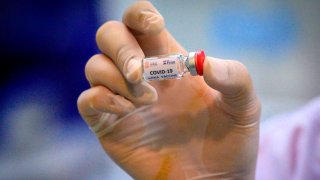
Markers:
45,45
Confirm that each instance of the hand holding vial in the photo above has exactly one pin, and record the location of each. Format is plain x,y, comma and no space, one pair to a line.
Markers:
190,128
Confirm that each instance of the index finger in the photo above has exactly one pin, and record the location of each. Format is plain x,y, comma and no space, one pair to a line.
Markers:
148,27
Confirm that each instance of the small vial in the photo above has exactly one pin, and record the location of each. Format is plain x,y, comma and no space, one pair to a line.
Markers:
172,66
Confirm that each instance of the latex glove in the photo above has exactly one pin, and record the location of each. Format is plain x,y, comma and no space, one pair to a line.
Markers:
193,128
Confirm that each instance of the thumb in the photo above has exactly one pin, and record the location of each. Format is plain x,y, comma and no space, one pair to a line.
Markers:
232,80
227,76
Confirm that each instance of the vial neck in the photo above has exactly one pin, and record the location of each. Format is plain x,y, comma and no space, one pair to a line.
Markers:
190,64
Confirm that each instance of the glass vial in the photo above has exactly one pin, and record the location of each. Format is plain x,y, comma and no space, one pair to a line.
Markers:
172,66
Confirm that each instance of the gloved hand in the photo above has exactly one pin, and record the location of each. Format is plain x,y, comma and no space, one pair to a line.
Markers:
194,128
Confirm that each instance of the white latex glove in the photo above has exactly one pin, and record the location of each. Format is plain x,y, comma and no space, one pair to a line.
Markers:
193,128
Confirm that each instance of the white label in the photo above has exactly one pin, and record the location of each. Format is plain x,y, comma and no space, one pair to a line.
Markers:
160,68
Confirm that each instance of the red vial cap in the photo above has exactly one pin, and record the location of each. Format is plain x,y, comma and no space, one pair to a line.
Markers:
199,60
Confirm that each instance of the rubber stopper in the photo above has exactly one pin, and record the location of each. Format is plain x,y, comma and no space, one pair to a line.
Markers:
199,60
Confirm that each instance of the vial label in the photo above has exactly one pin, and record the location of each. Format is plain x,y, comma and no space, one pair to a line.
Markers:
156,68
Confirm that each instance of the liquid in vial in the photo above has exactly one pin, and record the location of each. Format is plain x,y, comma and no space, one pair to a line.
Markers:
172,66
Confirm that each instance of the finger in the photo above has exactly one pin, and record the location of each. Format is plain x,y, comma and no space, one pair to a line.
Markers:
148,27
100,108
228,77
100,70
143,18
115,40
232,79
95,101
